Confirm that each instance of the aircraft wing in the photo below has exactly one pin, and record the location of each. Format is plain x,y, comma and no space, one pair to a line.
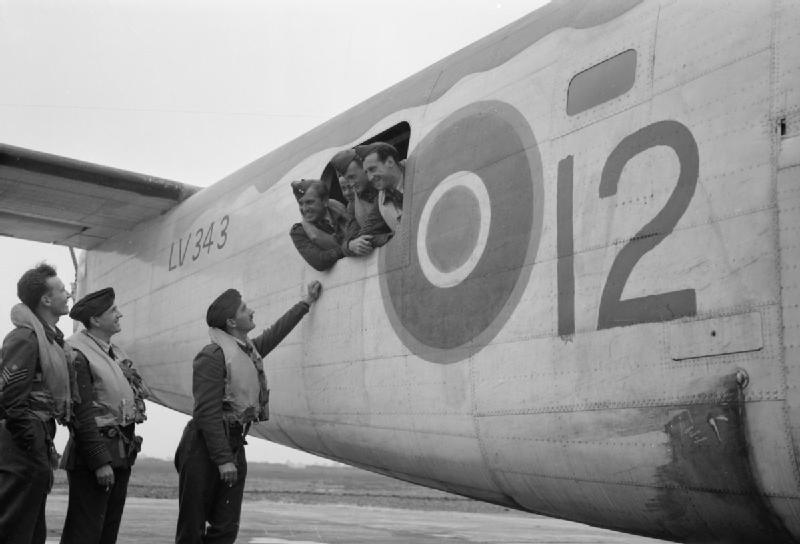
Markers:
63,201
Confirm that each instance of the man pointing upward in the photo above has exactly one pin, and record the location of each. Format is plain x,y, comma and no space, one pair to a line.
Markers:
230,393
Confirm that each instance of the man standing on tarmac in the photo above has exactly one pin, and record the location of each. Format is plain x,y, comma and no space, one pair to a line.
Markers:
230,393
36,389
102,445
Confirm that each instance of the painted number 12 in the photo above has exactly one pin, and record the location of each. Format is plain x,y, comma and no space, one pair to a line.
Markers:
615,311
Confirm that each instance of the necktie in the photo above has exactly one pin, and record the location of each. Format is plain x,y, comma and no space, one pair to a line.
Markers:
111,352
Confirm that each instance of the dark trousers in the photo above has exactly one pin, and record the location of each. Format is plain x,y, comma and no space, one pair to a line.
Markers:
94,514
25,480
208,510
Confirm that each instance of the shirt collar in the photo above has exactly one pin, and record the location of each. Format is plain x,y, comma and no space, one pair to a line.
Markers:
368,194
243,345
51,332
103,345
391,196
326,222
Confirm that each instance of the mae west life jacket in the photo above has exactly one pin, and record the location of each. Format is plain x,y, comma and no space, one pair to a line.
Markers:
114,398
246,394
59,390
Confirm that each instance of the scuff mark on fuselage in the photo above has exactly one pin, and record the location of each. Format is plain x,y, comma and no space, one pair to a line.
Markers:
710,481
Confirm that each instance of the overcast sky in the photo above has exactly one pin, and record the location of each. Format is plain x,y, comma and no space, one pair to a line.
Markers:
193,90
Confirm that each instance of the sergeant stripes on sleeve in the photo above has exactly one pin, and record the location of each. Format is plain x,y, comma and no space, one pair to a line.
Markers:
12,375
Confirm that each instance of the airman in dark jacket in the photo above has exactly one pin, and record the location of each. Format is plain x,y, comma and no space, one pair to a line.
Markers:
36,390
102,446
230,393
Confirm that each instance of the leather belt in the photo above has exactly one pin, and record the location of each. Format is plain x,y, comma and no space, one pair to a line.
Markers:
111,432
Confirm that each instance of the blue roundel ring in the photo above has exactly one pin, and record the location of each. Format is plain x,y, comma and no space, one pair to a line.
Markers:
472,220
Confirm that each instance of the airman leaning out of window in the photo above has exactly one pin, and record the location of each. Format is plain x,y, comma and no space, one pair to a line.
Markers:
349,194
348,164
386,171
327,232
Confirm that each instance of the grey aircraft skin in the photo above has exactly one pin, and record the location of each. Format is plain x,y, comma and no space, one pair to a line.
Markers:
591,309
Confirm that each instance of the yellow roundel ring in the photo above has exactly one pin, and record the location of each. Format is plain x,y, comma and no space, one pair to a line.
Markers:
472,220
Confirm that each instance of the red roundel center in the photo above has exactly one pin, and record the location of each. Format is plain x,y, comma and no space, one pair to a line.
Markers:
452,232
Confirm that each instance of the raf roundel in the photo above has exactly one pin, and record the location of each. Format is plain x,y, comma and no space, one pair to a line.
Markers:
472,220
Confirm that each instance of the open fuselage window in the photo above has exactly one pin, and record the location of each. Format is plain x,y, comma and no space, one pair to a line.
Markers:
602,82
357,203
398,136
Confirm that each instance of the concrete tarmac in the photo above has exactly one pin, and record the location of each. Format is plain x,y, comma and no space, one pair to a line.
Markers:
264,522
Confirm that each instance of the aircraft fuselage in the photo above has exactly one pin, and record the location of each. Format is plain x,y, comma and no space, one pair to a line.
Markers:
591,308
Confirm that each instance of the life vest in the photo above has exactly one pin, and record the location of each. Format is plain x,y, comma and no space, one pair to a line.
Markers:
246,394
114,398
59,391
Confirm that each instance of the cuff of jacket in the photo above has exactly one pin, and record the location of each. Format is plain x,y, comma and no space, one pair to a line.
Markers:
346,250
98,457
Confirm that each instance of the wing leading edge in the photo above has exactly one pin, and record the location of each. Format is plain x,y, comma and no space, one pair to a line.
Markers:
48,198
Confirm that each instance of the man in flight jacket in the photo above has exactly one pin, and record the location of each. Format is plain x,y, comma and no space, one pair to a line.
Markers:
36,390
230,393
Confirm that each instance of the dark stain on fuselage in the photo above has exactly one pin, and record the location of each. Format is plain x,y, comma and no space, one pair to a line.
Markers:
709,482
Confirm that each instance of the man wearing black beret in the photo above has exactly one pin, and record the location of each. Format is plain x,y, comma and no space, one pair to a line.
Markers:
102,446
230,393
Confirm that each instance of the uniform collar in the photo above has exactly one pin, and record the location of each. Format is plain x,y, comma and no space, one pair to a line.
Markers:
368,194
326,222
103,345
245,347
51,332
